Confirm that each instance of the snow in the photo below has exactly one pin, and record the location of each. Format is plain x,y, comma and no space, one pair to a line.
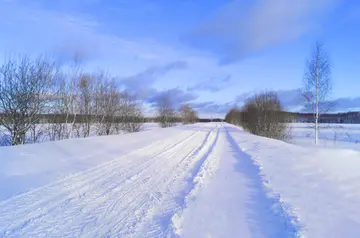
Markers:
317,187
201,180
30,166
44,133
235,198
343,136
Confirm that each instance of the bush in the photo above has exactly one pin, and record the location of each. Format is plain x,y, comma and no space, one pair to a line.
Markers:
262,115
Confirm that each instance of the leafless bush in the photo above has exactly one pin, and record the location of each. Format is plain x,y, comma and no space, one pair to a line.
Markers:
262,115
188,115
25,88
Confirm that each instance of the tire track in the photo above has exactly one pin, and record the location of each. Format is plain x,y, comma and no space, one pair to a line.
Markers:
207,163
72,188
113,209
117,198
147,199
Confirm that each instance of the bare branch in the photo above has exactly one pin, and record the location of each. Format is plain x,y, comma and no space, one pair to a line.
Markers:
317,85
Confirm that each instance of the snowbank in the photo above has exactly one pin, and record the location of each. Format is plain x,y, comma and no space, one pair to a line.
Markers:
319,188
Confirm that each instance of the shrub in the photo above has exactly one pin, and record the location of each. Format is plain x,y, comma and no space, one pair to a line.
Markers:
262,115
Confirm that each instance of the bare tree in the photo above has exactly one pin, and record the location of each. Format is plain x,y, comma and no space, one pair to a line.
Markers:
166,114
86,104
317,85
108,99
66,105
131,113
37,101
69,98
187,114
62,111
24,94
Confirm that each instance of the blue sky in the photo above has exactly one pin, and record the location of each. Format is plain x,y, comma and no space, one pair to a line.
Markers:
209,53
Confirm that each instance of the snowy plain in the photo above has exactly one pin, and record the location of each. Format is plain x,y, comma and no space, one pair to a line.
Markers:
345,136
201,180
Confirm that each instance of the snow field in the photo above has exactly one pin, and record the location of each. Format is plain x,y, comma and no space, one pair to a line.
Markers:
201,180
338,136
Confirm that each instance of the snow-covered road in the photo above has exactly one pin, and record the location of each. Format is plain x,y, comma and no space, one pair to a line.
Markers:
196,183
202,180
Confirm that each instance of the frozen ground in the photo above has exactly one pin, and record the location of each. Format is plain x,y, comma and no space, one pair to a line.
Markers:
202,180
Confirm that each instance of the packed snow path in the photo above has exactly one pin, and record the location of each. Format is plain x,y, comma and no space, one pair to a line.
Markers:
195,183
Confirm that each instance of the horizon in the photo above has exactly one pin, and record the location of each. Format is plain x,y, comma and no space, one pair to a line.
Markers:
210,54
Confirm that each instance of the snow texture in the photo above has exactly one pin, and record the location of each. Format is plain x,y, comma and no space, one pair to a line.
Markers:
202,180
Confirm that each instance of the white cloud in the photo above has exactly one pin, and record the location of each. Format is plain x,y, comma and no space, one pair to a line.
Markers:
213,84
141,84
248,28
33,29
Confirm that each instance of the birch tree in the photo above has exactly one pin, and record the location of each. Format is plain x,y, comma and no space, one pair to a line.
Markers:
317,85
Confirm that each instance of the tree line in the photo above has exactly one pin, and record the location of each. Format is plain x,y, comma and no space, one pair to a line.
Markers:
73,103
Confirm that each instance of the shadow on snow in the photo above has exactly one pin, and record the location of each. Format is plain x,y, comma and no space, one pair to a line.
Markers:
266,216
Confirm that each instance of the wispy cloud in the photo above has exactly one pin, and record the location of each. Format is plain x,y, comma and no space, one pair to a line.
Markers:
175,95
347,104
141,84
214,84
67,34
290,99
244,28
212,108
